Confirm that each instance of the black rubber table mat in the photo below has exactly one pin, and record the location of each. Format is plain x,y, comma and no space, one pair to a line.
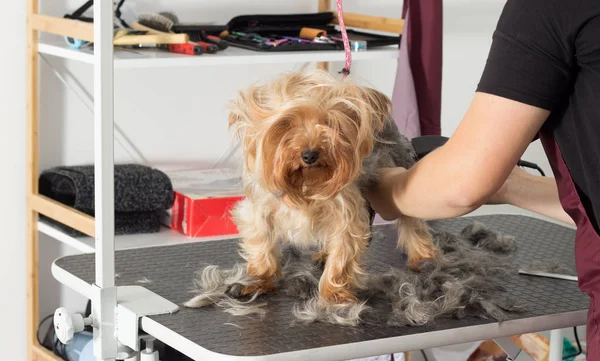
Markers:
170,270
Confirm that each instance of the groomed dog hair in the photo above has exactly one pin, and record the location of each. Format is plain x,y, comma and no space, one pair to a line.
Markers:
312,146
467,280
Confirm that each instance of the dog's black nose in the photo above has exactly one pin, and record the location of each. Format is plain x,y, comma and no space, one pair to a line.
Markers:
310,156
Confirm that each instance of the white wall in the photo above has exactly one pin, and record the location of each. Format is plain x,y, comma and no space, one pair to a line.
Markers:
12,189
177,116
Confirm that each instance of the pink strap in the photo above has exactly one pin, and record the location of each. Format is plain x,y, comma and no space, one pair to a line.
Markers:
347,50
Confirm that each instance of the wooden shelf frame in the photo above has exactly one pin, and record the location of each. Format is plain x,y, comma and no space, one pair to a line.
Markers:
102,227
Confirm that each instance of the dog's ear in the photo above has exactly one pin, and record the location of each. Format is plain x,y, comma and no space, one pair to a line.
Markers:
380,107
363,110
375,110
249,107
247,111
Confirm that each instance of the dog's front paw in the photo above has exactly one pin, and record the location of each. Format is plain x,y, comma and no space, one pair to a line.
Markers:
258,288
338,295
426,254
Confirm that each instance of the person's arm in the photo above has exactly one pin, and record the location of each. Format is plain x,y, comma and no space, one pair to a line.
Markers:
464,173
534,193
528,74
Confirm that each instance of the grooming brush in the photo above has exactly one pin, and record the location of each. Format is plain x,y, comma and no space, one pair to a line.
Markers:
156,21
134,37
171,16
165,24
222,44
185,47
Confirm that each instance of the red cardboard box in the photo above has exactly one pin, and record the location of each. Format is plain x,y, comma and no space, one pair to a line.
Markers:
203,202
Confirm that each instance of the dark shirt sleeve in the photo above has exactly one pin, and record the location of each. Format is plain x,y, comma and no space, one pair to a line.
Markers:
530,60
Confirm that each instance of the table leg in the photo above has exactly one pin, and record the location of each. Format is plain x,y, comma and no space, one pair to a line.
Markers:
556,345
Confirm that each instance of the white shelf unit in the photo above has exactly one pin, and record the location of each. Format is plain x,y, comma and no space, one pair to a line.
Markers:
151,58
165,237
100,230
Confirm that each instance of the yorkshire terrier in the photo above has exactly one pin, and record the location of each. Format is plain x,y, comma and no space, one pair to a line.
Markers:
312,146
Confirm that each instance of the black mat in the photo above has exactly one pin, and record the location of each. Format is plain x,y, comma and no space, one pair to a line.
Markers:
171,270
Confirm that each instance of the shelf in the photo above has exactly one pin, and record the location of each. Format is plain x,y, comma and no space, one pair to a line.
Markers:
165,237
151,58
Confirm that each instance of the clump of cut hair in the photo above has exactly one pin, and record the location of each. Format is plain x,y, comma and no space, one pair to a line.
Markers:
466,280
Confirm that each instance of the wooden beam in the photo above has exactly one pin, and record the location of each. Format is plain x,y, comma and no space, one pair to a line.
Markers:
31,140
65,27
40,353
377,23
324,5
63,214
322,65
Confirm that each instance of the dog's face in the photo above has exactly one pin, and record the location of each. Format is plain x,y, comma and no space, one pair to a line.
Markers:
305,136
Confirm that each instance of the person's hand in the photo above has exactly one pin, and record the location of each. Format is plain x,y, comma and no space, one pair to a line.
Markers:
381,198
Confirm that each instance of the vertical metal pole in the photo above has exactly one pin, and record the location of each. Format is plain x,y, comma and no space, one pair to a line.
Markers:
105,296
556,345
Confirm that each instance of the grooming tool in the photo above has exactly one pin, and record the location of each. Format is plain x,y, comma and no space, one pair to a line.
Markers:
277,42
171,16
310,33
156,21
359,45
222,44
323,40
164,24
549,275
151,39
134,37
355,45
137,26
75,43
227,36
187,48
208,47
299,40
257,38
181,48
198,31
248,38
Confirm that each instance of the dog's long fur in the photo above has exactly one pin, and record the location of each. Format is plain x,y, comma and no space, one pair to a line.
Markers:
320,204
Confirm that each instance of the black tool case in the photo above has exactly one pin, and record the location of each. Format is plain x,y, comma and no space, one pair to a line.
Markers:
273,26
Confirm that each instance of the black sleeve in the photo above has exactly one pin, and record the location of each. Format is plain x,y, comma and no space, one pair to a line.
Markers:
530,60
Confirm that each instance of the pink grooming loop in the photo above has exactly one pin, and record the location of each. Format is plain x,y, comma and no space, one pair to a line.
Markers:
347,49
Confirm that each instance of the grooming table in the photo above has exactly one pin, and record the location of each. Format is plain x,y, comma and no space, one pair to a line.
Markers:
211,334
